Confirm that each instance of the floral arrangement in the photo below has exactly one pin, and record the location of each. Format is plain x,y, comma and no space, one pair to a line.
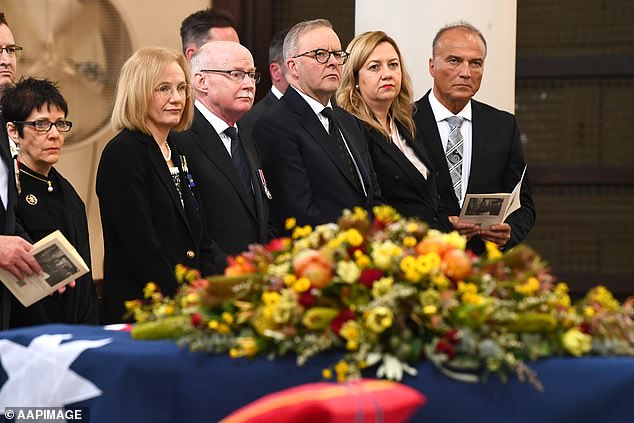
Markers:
389,292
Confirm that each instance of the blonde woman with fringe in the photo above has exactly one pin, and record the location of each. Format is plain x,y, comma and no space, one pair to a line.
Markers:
377,89
147,196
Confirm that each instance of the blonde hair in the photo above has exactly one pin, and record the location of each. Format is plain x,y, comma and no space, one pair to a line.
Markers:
349,97
137,80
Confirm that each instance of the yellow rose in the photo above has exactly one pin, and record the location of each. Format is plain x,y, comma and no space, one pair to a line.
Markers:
382,286
576,342
383,253
379,318
351,332
493,252
301,285
348,271
290,223
354,237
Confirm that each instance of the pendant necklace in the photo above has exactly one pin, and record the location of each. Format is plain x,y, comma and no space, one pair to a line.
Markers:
48,182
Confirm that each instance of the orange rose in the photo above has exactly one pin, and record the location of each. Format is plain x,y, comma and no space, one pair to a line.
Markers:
314,266
456,264
239,266
432,245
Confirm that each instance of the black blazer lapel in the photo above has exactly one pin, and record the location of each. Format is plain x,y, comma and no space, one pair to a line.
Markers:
210,143
396,155
160,169
310,122
258,188
428,130
478,143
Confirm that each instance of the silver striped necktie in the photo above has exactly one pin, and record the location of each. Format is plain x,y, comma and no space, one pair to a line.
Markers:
454,153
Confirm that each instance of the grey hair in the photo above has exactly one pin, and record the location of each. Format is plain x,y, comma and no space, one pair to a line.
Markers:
292,38
462,25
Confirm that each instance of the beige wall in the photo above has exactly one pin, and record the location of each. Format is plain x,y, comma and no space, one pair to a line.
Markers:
413,24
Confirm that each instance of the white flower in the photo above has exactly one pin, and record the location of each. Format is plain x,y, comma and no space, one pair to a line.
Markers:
392,368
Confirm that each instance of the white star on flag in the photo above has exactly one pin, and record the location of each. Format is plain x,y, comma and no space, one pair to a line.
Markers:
40,375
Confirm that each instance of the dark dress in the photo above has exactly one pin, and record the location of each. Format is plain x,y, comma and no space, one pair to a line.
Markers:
40,213
148,225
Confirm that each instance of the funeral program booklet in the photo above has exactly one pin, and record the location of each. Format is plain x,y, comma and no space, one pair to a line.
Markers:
491,209
60,264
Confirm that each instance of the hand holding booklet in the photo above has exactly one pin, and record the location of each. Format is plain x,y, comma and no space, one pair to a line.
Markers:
60,264
491,209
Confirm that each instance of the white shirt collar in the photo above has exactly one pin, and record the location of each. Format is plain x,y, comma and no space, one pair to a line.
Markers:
314,104
277,93
218,124
441,112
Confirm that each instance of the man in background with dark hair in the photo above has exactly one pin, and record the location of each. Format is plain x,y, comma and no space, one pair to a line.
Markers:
207,25
278,82
14,250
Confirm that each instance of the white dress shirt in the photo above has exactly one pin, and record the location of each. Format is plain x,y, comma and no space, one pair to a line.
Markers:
317,108
411,155
218,124
440,114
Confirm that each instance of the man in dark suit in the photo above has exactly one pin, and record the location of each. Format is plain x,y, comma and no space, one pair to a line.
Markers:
278,81
491,159
14,250
316,156
224,161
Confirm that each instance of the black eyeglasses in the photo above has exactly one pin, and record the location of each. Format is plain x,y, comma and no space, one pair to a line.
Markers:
12,51
43,125
236,75
322,55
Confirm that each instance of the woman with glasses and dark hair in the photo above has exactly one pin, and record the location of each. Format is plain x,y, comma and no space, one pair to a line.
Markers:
376,88
148,199
36,112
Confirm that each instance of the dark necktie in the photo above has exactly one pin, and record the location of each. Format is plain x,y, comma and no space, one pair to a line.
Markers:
240,160
335,135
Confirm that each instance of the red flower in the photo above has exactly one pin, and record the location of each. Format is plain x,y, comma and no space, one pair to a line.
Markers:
307,299
369,276
451,336
342,318
446,348
278,244
586,328
196,319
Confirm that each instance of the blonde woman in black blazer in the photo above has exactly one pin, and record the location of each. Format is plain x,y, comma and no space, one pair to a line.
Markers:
148,200
377,89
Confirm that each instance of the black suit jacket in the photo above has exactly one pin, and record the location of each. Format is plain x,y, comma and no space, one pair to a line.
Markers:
497,162
402,185
7,219
146,229
79,304
247,122
232,219
306,174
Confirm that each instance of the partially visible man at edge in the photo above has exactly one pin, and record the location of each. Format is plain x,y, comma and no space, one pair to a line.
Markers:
14,250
